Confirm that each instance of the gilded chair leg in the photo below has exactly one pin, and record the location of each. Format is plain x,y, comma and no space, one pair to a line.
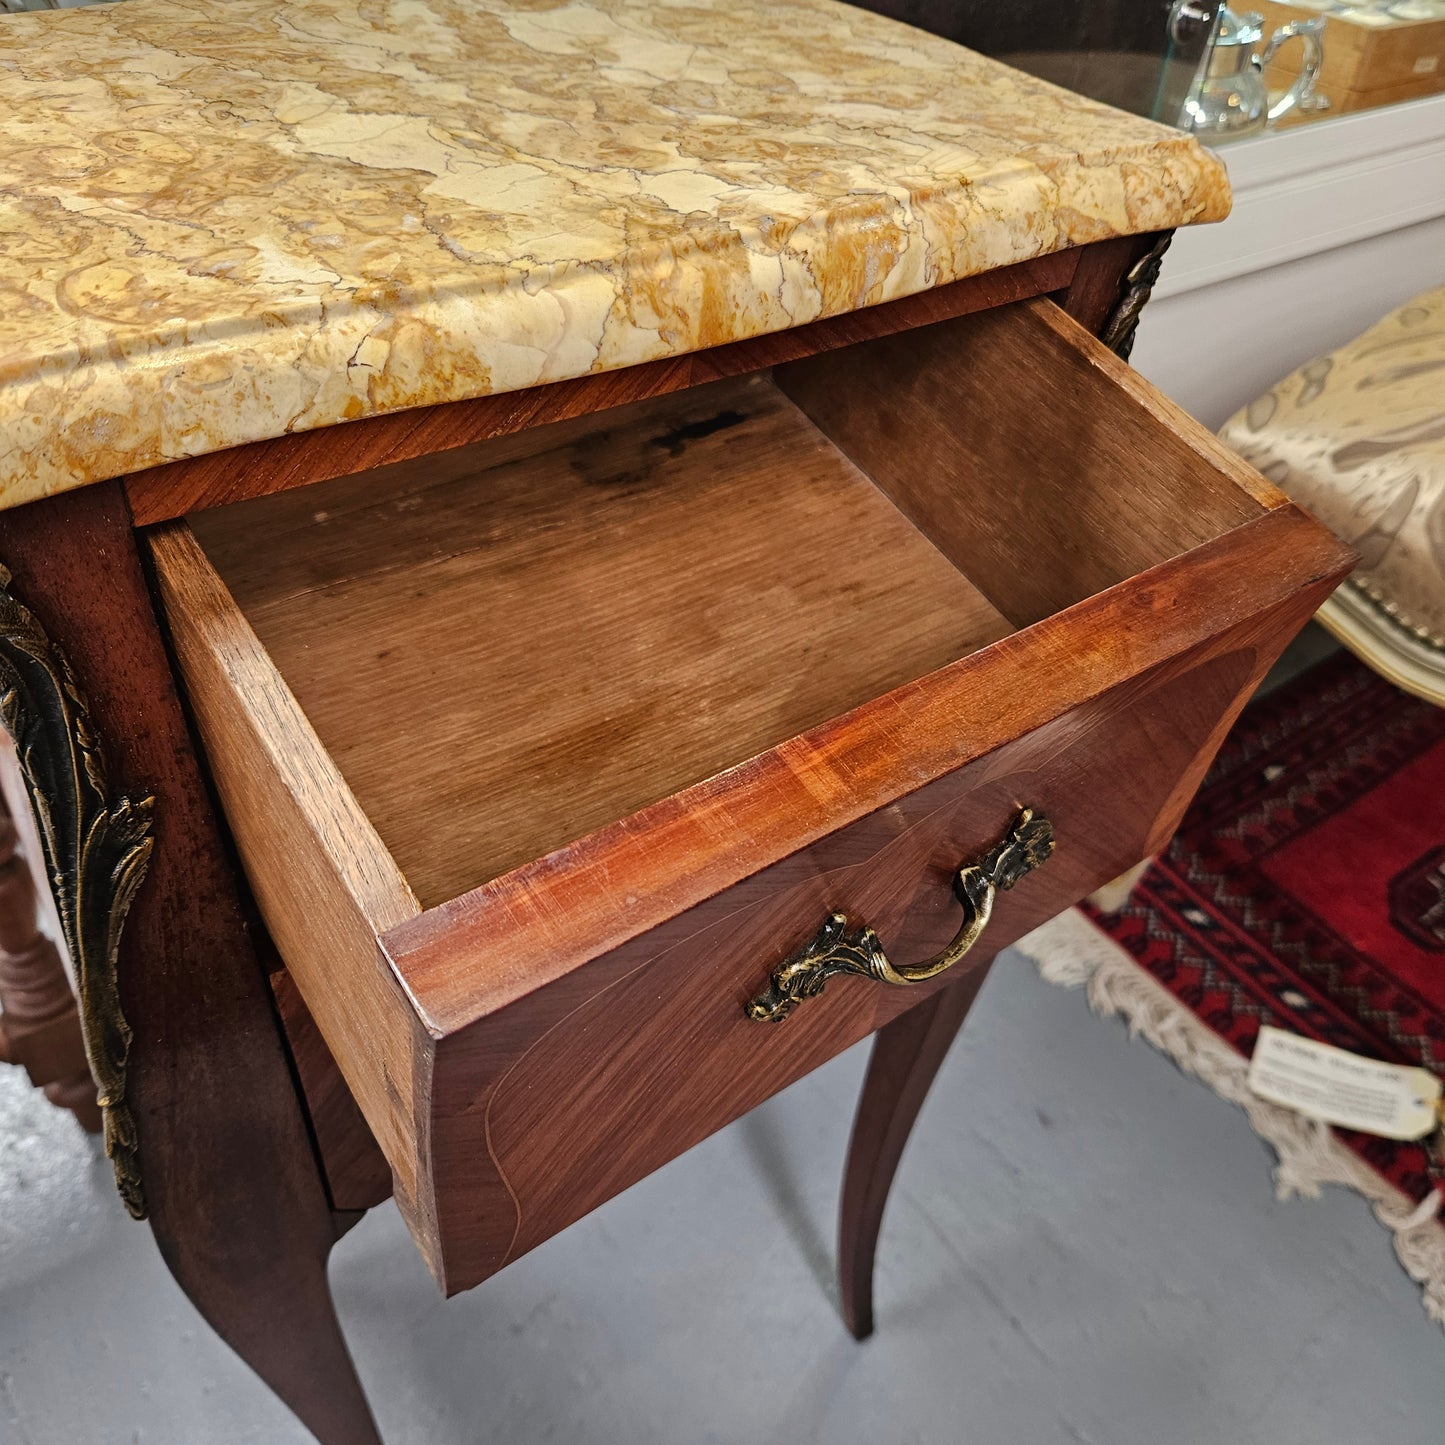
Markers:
906,1056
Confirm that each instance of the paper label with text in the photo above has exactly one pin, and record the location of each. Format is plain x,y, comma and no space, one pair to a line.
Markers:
1391,1100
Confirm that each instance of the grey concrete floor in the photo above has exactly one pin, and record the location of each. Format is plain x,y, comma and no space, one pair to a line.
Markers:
1083,1248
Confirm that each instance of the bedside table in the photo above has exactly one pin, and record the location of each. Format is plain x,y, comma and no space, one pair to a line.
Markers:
637,553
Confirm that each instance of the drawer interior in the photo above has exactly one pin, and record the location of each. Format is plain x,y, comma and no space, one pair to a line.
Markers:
508,646
536,640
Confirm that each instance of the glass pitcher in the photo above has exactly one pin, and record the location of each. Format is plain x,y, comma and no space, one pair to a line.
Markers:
1232,99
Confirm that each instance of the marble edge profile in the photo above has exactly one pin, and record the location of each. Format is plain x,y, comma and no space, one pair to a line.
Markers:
134,407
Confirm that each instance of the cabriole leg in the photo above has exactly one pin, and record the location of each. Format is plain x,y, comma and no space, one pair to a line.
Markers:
203,1120
906,1057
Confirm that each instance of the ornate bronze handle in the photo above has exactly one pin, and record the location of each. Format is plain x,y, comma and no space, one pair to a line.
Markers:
834,950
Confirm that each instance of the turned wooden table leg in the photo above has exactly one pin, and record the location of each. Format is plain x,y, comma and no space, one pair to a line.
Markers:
906,1057
204,1120
39,1023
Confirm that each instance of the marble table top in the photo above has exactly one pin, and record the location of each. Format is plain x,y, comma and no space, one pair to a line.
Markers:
225,220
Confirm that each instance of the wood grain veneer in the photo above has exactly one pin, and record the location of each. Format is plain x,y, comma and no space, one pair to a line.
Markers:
509,650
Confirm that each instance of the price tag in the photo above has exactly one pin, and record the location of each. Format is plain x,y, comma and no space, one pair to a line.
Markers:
1323,1082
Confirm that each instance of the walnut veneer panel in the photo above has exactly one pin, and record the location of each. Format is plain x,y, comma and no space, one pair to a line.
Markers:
647,1051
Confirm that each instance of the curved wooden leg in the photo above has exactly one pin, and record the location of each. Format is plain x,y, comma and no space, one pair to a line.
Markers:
271,1303
906,1056
227,1169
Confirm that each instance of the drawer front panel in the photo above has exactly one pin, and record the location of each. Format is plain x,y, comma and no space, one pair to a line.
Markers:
543,1111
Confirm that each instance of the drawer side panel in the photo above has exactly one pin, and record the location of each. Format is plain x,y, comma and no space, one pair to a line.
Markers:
322,881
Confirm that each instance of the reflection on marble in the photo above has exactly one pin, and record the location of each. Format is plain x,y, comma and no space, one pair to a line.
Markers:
222,220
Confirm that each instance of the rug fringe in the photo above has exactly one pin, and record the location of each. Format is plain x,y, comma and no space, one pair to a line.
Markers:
1071,952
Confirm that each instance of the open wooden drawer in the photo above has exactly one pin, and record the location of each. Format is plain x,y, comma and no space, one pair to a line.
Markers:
543,755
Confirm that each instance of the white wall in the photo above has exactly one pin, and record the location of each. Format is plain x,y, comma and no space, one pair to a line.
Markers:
1334,224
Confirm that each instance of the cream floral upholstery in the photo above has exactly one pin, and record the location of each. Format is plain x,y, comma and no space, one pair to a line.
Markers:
1358,437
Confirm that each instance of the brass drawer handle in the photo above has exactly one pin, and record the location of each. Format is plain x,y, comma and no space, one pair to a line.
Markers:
834,950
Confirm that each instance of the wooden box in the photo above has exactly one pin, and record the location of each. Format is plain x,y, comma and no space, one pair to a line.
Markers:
1370,60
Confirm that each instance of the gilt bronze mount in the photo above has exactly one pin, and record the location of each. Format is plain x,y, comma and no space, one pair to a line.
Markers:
97,848
1123,323
834,950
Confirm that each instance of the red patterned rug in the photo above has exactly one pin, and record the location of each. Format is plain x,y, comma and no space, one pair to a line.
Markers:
1305,889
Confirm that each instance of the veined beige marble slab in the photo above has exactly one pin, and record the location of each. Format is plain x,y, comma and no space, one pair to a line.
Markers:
224,220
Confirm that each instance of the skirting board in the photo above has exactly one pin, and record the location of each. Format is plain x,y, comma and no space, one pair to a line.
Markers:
1315,188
